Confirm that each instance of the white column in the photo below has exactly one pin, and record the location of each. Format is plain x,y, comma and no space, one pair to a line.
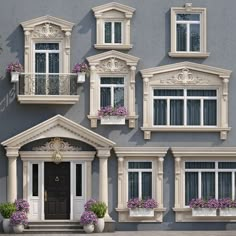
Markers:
103,155
12,154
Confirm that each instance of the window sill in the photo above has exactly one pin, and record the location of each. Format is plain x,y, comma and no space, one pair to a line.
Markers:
48,99
113,46
124,216
185,215
223,131
189,54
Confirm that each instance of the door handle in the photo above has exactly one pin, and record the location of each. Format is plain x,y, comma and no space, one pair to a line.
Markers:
45,196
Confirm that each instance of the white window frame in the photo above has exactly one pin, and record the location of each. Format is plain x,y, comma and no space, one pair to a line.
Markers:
113,12
188,9
185,98
113,31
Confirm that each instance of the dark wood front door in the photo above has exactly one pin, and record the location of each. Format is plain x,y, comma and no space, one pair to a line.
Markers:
57,190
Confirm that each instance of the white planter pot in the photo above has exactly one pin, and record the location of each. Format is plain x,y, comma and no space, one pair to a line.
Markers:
81,77
15,77
99,227
18,229
228,212
6,226
89,228
113,120
203,212
141,212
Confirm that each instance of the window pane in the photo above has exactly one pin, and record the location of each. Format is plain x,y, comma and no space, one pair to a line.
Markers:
35,180
168,92
188,17
210,112
53,63
47,46
195,37
40,63
133,185
225,185
78,180
118,97
191,186
140,165
181,34
112,80
108,33
53,79
199,165
201,93
105,97
159,112
117,32
227,165
176,112
193,112
208,185
146,185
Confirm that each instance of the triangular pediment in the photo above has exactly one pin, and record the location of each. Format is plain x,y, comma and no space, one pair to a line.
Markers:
130,60
222,73
63,24
59,126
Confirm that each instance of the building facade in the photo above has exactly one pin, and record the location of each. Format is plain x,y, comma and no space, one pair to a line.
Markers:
169,63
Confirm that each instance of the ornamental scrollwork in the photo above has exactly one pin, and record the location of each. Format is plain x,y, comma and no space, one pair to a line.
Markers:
47,31
112,65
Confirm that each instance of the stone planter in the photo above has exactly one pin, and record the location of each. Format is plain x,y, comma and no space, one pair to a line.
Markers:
81,77
203,211
89,228
141,212
15,77
18,229
6,226
228,212
99,227
113,120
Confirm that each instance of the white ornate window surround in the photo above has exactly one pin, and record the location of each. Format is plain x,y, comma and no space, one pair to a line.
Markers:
140,154
183,154
47,30
186,75
187,52
112,64
113,13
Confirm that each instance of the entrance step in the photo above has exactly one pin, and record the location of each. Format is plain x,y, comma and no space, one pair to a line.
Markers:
54,227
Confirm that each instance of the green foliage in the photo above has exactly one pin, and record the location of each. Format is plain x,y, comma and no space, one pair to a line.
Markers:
99,208
7,209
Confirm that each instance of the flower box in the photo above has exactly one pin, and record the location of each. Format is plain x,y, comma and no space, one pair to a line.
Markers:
15,77
81,77
203,211
113,120
228,212
141,212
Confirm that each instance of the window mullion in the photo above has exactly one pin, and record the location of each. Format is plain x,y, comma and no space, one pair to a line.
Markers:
233,185
202,111
216,184
188,37
199,184
185,107
168,112
113,31
112,95
140,184
47,71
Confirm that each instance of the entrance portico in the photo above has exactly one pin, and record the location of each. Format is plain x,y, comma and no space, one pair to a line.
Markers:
61,127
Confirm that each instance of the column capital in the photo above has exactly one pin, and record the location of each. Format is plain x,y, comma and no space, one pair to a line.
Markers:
12,152
103,152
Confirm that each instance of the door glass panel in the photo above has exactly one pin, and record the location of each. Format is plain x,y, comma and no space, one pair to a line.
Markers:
78,180
35,180
40,67
53,88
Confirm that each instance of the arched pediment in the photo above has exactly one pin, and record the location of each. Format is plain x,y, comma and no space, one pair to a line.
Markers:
59,126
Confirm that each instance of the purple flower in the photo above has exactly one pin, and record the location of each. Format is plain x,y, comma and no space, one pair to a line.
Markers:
150,203
212,203
88,217
227,203
19,218
88,204
15,67
137,203
22,205
112,111
200,203
83,67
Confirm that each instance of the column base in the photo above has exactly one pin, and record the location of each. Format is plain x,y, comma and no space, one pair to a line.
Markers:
107,218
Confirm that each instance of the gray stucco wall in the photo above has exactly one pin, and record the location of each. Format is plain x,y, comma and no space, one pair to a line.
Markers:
150,35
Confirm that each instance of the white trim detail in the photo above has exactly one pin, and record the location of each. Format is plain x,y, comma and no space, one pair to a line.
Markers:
186,75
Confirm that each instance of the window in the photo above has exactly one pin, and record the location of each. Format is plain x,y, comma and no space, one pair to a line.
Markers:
140,180
184,107
188,32
113,26
35,180
112,91
79,180
187,97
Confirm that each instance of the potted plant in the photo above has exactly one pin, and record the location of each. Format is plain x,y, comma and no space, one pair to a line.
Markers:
99,208
88,204
15,68
88,220
22,205
6,210
227,207
18,220
201,207
141,208
81,69
112,115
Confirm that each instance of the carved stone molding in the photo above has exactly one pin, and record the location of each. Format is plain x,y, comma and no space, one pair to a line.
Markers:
47,31
112,65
